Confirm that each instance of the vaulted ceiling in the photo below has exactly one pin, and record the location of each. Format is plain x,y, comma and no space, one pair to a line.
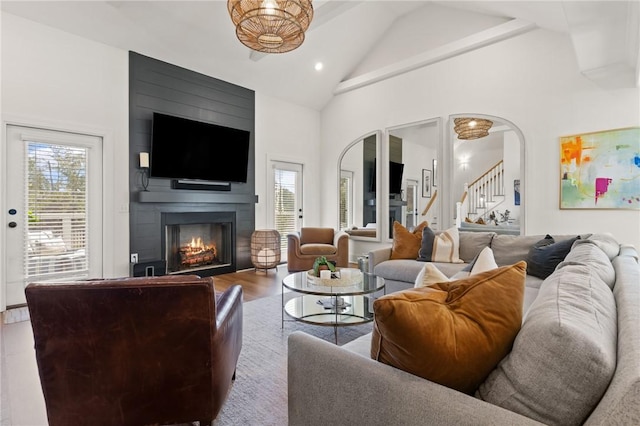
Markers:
358,42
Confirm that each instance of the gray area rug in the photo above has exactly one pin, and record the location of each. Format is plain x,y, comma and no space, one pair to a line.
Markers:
259,393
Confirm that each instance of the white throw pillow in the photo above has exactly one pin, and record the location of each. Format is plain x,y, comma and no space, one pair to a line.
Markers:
430,274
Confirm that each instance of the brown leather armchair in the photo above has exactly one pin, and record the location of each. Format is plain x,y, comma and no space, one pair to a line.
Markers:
135,351
303,248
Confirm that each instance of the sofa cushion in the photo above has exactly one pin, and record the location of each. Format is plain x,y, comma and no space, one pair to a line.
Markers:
543,257
471,243
565,355
318,249
451,333
607,244
588,253
399,270
406,243
509,249
443,247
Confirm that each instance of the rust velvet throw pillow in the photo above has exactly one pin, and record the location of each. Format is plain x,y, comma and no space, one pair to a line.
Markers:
406,244
452,333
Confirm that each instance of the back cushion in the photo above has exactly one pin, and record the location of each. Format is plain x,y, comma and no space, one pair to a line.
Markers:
509,249
587,253
472,243
565,354
316,235
607,244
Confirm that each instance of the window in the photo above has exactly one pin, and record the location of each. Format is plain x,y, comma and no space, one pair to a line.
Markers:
56,231
287,200
346,199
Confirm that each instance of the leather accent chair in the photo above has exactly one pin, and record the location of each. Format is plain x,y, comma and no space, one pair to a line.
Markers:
135,351
304,247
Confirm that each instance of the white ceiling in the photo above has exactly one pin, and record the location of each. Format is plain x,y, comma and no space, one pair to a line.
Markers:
359,42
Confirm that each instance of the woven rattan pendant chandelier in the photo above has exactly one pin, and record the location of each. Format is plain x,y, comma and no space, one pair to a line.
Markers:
472,128
271,26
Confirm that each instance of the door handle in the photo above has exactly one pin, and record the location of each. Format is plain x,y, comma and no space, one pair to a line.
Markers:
12,224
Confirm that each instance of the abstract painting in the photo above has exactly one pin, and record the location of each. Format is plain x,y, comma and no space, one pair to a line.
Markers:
600,170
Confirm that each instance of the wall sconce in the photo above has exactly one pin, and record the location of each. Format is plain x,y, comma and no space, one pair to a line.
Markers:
463,162
144,169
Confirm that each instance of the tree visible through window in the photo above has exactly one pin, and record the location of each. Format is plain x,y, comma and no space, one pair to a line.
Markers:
56,199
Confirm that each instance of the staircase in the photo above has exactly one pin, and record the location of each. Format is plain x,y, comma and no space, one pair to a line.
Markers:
482,196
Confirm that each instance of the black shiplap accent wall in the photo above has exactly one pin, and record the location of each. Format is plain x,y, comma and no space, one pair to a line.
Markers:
156,86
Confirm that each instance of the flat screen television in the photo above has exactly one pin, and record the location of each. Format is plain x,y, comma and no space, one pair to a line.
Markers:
395,177
186,149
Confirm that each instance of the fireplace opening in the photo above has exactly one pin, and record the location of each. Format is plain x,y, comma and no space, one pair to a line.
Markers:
199,243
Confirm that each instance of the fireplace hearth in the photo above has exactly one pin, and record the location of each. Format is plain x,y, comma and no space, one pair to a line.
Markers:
201,243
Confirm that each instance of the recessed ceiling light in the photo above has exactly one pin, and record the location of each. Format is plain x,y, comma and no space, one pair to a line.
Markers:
318,66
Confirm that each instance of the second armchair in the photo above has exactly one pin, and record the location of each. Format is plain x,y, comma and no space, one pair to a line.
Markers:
309,243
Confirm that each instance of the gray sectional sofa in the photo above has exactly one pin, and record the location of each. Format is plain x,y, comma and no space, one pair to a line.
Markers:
576,359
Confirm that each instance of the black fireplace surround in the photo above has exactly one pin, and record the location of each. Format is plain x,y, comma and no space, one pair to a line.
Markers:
156,86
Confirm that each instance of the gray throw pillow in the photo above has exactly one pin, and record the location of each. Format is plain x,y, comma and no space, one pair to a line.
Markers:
565,354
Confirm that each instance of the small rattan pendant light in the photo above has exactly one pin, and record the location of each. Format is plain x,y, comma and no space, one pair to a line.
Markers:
271,26
472,128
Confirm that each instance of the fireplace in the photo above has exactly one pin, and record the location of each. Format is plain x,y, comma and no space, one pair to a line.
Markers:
201,243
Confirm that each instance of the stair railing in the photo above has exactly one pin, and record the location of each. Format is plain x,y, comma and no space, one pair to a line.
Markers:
483,191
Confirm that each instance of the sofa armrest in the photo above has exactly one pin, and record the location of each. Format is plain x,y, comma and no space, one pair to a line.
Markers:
293,243
378,256
330,384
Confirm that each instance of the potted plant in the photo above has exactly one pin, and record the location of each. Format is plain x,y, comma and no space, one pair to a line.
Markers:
322,263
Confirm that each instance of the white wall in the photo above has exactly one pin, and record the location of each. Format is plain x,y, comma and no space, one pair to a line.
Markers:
53,79
511,156
531,80
287,132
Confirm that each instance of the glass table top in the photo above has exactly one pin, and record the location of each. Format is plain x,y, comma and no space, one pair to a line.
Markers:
356,283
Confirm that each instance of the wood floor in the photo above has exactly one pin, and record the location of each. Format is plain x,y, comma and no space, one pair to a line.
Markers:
255,283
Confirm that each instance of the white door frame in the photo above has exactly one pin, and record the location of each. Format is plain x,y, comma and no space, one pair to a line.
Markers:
106,159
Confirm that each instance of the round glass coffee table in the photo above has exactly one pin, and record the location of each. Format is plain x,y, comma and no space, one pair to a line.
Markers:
337,302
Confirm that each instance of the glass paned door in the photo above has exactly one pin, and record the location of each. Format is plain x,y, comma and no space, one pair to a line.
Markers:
55,208
287,200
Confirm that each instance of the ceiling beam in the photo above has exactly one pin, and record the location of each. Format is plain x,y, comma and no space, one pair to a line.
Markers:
481,39
606,39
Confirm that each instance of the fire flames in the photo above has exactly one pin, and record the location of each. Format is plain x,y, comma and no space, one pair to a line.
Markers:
197,253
